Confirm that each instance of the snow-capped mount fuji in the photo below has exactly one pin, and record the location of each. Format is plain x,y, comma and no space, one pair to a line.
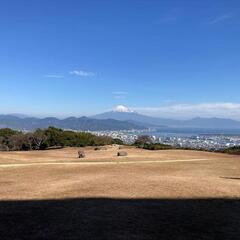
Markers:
122,108
123,113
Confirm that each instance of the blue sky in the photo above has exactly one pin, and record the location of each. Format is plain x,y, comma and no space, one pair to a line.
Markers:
175,59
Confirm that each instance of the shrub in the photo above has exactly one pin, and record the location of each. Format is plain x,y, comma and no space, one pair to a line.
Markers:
157,146
143,140
232,150
117,141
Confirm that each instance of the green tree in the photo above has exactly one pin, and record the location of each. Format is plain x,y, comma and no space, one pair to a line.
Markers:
143,140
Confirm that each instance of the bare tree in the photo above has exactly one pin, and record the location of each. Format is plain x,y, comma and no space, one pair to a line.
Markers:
38,137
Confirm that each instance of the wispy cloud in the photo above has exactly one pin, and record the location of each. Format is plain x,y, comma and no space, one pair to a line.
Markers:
224,110
221,18
82,73
120,94
53,76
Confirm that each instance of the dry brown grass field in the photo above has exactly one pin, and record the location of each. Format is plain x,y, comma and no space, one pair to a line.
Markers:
169,194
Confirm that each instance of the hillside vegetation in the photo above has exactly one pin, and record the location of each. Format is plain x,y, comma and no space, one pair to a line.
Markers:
11,140
232,150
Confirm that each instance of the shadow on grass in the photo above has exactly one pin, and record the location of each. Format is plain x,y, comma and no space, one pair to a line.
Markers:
100,218
232,178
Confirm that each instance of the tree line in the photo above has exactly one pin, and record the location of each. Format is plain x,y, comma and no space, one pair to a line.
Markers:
41,139
232,150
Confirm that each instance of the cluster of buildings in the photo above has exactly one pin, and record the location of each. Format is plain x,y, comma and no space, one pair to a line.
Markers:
127,137
206,142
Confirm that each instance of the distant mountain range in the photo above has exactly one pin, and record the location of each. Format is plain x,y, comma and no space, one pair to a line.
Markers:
124,114
122,118
73,123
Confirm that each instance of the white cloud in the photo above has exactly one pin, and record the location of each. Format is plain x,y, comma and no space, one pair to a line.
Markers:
221,18
120,93
185,111
82,73
53,76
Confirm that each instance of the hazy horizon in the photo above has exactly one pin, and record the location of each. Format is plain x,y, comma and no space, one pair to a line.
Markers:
134,110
